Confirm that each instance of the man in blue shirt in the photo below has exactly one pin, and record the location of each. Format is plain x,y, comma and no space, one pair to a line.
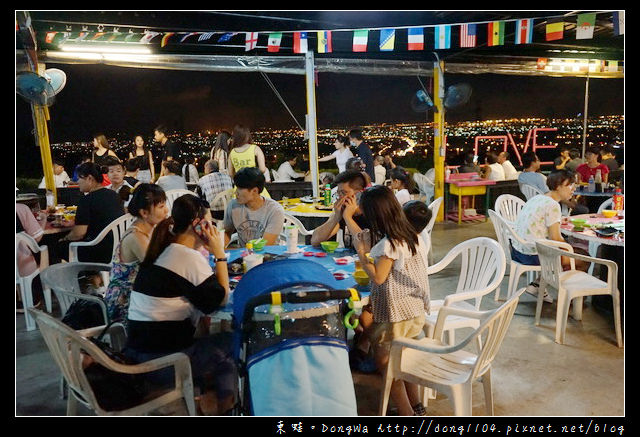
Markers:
530,174
363,151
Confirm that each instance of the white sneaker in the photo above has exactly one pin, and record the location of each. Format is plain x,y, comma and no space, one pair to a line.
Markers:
533,289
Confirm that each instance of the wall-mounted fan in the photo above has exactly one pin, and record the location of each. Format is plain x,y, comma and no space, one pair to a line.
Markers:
40,90
456,96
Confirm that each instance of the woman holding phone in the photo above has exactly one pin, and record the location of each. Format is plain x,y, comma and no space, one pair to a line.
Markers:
174,288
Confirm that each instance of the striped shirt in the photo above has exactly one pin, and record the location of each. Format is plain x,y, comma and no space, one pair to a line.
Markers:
168,298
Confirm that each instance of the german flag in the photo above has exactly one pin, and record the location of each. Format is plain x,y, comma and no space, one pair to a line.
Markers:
555,28
495,33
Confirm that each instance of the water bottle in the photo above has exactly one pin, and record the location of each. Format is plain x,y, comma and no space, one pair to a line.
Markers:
327,195
447,173
598,181
592,185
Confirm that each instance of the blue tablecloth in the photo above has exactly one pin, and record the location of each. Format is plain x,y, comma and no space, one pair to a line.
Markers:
328,262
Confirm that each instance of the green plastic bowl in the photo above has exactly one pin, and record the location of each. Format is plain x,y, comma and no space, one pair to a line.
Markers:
329,246
579,222
258,244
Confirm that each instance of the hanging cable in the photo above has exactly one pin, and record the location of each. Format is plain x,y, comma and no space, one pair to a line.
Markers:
266,78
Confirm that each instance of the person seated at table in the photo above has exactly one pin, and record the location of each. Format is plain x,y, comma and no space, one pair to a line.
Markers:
400,294
575,161
251,214
148,206
379,170
356,163
402,183
592,165
609,158
286,171
213,183
60,176
96,210
116,172
530,174
350,185
469,165
85,158
419,215
540,218
175,288
565,157
26,262
132,167
170,177
510,172
493,171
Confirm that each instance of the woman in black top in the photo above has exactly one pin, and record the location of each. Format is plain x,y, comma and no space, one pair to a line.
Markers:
146,171
101,151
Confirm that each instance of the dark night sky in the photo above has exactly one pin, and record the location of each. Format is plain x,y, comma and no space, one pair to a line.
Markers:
100,98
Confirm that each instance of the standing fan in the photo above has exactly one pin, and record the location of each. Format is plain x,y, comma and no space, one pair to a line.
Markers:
40,90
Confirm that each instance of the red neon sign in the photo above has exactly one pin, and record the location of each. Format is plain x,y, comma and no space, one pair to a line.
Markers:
531,136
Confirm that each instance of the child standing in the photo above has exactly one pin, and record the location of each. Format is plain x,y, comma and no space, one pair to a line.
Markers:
399,289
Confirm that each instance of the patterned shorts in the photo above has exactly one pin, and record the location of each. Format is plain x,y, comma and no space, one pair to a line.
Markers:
382,333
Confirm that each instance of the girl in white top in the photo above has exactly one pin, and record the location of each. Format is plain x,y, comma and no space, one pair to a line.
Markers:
341,155
220,151
400,289
401,182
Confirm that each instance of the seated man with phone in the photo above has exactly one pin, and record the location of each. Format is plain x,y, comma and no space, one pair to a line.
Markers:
250,214
346,213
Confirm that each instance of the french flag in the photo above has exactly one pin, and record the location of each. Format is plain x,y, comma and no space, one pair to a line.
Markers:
416,39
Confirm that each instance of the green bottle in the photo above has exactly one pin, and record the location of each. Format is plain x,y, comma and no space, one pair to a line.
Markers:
327,195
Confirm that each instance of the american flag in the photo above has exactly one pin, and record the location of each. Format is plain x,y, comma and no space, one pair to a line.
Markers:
468,35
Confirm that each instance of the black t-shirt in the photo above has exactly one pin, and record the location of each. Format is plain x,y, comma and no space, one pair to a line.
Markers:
347,238
96,210
364,152
172,149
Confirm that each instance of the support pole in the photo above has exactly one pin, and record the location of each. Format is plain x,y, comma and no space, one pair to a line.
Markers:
586,110
312,128
439,146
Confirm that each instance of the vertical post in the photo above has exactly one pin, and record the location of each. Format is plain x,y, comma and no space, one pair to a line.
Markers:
438,134
40,117
312,128
586,110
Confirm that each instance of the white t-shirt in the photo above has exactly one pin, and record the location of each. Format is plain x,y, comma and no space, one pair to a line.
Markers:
534,219
403,196
342,156
286,172
58,179
510,171
497,172
381,174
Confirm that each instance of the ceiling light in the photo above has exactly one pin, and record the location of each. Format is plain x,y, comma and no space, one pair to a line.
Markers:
105,48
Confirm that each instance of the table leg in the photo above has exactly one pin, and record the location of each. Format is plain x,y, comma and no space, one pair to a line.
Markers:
459,208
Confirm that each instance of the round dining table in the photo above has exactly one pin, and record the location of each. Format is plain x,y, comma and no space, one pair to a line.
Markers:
300,208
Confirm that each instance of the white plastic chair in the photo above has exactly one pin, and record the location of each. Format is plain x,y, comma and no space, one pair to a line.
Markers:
174,194
425,186
593,246
505,233
68,348
63,279
450,369
224,196
574,284
116,228
25,282
291,220
509,206
529,191
482,267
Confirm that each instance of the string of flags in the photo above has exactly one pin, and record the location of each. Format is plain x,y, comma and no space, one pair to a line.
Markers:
442,35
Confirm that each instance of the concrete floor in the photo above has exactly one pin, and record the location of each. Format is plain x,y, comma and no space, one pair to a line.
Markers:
532,375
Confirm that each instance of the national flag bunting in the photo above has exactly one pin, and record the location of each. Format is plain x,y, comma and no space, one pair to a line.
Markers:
187,35
360,38
524,31
324,41
495,33
49,37
468,35
251,40
300,42
618,23
585,25
555,29
148,36
442,36
97,35
416,39
224,38
612,65
387,39
273,45
165,38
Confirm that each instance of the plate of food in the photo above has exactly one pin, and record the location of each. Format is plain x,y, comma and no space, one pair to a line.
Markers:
606,232
323,207
307,199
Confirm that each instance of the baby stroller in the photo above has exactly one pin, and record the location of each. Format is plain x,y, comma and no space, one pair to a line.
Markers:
292,355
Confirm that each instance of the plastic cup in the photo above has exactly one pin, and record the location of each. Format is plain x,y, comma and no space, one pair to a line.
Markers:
250,261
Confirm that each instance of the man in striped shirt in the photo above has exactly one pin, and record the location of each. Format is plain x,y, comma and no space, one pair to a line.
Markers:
213,183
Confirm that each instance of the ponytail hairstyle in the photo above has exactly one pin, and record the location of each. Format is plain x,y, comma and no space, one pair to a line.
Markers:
144,197
241,135
386,218
185,209
399,173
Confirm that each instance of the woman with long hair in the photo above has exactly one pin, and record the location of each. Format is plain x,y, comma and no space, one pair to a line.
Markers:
146,172
399,289
148,206
220,151
244,154
341,154
101,151
176,287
